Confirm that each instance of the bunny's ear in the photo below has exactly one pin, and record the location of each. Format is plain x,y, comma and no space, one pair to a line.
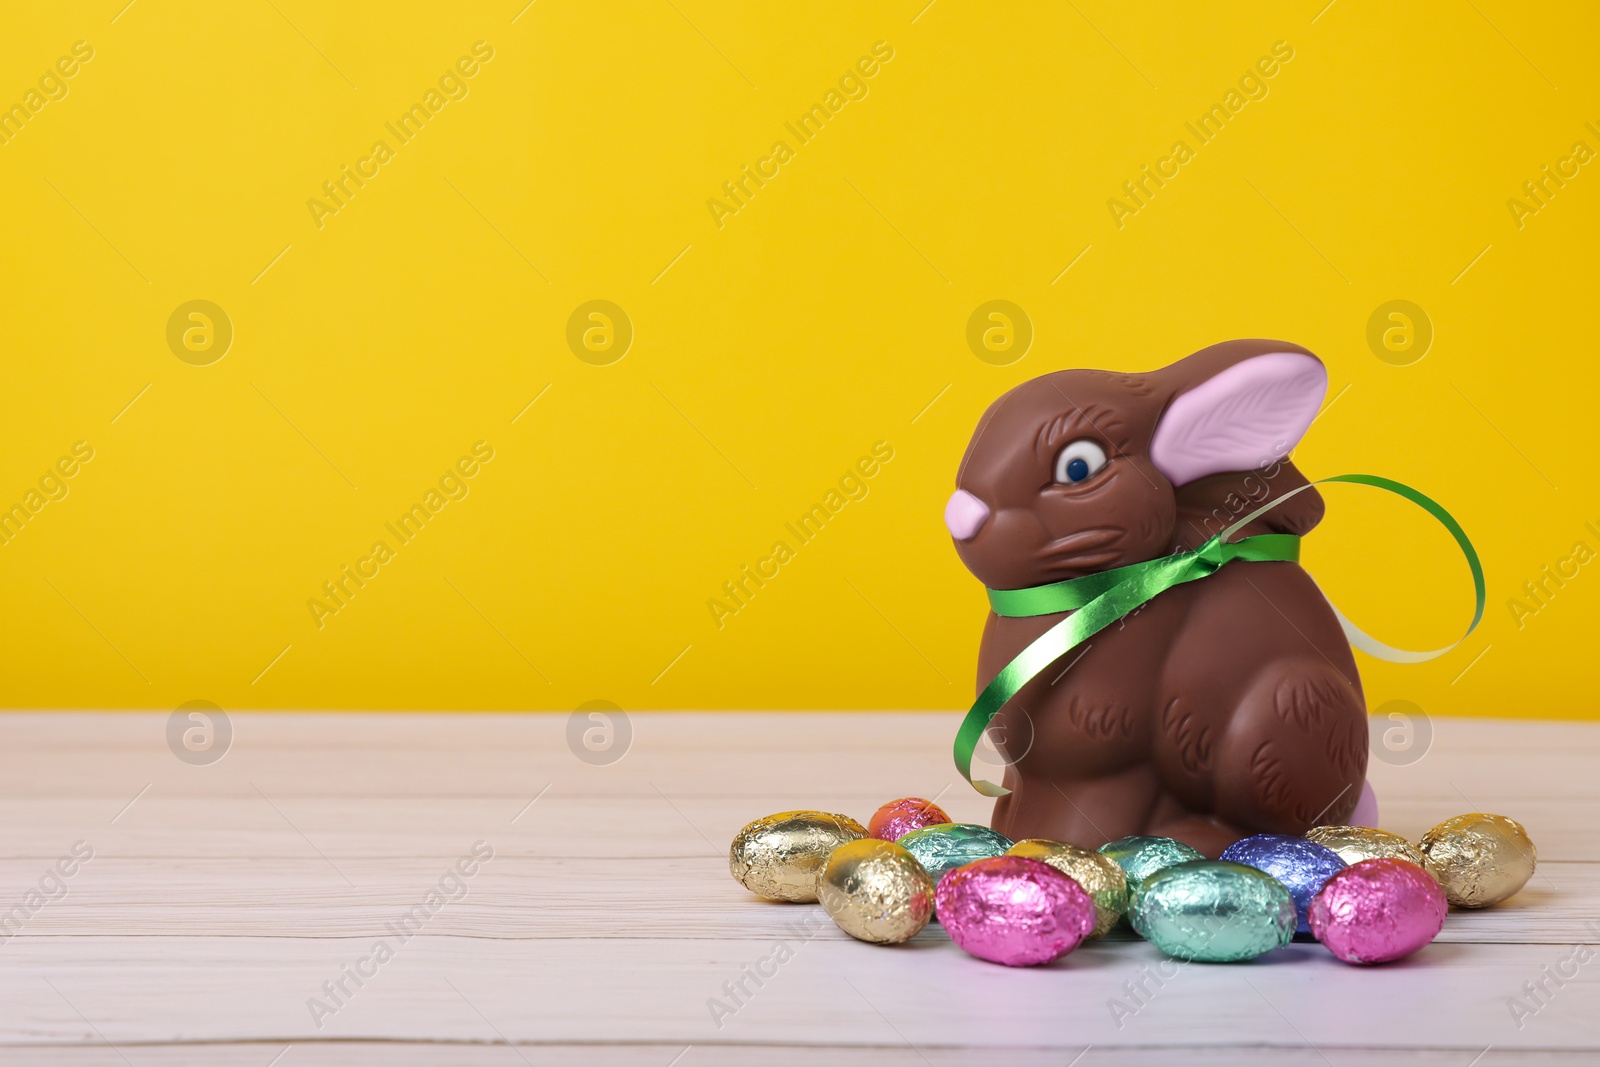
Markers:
1243,418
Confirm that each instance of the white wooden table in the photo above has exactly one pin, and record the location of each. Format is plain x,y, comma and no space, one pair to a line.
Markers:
221,898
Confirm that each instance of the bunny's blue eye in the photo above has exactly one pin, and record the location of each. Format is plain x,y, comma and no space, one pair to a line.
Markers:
1079,461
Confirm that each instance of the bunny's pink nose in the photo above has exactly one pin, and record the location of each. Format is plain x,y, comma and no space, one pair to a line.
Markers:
964,515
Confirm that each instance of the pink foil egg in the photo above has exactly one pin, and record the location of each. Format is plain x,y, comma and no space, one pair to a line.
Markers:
898,818
1378,910
1014,910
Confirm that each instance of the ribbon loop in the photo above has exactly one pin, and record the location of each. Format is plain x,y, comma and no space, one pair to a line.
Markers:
1095,601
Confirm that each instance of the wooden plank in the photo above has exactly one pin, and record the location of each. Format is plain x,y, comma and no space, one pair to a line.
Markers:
463,1054
831,990
525,897
376,755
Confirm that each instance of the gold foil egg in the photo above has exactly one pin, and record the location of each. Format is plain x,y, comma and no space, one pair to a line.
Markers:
781,855
876,891
1099,875
1357,843
1479,859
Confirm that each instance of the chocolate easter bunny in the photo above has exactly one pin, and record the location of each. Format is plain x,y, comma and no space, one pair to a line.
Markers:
1220,708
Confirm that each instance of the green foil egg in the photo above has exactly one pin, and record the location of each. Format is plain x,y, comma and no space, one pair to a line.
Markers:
1214,911
942,848
1140,857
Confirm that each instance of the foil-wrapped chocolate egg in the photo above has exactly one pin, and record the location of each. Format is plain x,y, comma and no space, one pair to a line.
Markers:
942,848
781,855
1357,843
1302,866
1014,910
876,891
1097,873
1140,857
898,818
1479,859
1213,911
1378,910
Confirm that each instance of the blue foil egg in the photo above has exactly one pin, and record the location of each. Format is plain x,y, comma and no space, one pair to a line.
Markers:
1302,866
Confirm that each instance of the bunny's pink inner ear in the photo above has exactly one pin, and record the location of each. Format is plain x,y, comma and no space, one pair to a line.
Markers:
1246,417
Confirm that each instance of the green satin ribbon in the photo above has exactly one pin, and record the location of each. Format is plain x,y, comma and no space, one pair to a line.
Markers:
1098,600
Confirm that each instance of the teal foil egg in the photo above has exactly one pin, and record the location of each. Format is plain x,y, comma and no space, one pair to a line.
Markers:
942,848
1214,911
1141,857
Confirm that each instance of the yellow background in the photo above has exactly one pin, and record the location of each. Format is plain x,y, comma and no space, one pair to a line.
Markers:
770,353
